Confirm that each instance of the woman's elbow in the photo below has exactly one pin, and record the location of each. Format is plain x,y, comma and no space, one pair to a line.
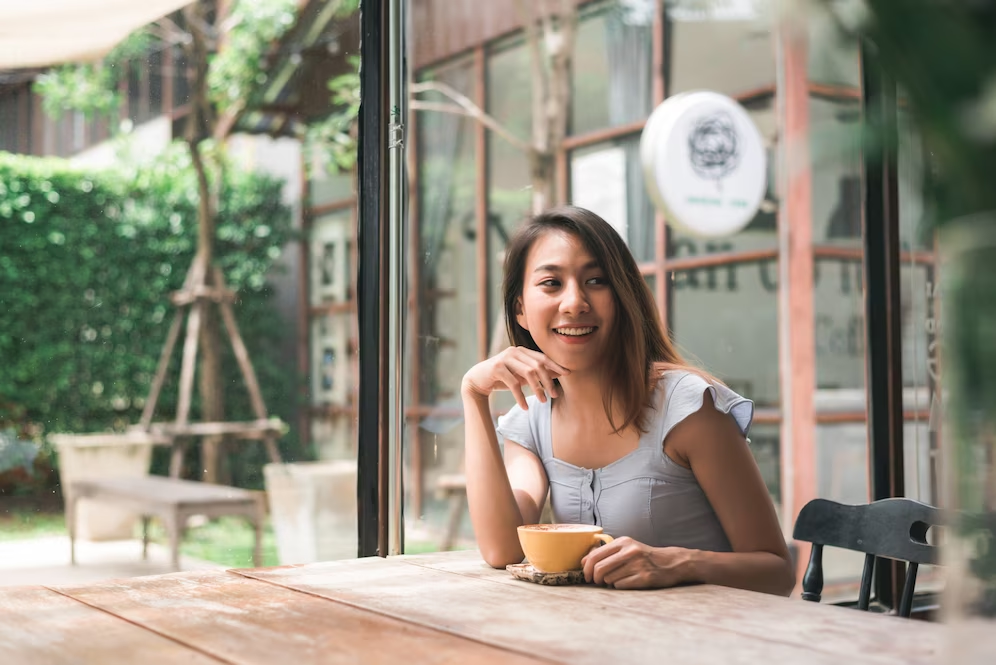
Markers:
498,557
786,580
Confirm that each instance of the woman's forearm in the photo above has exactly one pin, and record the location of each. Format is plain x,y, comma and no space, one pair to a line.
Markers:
754,571
493,508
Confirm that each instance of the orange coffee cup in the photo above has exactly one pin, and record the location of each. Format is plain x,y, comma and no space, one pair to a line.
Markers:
554,548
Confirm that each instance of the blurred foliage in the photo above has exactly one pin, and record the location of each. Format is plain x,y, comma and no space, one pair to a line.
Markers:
249,29
331,143
91,88
87,260
941,54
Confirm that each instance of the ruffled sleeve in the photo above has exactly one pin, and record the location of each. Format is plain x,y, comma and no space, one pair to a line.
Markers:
684,393
517,426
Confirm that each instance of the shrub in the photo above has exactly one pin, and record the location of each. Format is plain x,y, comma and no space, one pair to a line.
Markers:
87,261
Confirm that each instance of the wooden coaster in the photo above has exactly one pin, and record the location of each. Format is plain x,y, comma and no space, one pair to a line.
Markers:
525,571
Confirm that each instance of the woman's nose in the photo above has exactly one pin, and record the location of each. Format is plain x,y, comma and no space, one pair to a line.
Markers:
575,301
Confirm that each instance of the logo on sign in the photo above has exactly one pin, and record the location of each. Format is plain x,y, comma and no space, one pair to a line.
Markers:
713,147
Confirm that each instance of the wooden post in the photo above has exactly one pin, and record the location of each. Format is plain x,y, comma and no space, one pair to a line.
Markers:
797,345
248,373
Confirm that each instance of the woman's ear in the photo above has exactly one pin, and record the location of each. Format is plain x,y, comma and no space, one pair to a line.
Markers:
520,316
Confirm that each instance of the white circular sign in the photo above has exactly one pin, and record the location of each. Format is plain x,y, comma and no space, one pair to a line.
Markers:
704,163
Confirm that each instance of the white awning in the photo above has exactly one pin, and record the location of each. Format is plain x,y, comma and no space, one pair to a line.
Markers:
39,33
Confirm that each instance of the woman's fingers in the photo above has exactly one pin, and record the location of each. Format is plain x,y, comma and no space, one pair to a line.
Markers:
530,375
539,380
505,375
550,366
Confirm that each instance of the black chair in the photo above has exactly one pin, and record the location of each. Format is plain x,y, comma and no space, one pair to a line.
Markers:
889,528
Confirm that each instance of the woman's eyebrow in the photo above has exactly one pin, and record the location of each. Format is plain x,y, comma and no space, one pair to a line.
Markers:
550,267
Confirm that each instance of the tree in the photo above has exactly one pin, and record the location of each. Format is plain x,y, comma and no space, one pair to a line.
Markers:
225,45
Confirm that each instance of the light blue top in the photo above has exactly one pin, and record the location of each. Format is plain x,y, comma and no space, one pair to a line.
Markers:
644,495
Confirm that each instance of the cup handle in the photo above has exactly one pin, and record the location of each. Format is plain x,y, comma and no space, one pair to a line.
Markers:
604,538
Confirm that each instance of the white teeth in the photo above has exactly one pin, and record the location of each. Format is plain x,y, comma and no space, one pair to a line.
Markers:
574,332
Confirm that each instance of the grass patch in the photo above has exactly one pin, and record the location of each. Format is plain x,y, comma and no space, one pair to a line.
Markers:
27,525
227,541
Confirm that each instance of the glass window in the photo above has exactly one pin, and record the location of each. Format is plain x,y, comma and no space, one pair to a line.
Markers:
725,318
447,292
613,59
509,186
920,297
325,188
765,444
840,401
330,260
836,170
726,47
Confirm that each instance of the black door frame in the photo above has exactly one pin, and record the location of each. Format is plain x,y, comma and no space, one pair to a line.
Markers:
883,323
371,300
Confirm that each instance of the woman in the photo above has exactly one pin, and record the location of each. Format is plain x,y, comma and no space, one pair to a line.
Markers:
619,429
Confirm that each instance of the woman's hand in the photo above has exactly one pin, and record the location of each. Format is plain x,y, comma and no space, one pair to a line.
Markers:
511,369
627,564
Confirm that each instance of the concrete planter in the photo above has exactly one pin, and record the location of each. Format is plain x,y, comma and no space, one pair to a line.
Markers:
108,455
313,510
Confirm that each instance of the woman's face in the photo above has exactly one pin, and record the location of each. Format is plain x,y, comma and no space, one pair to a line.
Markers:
567,305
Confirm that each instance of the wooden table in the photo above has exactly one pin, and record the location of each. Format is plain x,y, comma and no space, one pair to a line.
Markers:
439,608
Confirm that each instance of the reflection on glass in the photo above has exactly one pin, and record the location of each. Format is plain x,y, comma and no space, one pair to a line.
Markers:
611,78
447,293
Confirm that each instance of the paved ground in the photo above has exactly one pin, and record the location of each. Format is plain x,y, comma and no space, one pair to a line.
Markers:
46,561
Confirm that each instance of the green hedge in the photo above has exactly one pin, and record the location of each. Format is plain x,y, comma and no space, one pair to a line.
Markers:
87,260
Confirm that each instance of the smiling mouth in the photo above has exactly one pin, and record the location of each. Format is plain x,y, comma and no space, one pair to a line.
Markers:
575,332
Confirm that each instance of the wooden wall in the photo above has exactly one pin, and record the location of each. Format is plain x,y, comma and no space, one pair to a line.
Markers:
444,28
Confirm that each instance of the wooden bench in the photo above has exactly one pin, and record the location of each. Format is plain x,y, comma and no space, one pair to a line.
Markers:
171,500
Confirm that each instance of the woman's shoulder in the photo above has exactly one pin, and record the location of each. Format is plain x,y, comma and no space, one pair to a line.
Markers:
684,394
522,426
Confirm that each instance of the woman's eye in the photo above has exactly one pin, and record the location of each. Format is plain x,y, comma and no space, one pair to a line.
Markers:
598,280
549,282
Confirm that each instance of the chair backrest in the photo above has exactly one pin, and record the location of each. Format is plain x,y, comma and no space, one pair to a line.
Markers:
889,528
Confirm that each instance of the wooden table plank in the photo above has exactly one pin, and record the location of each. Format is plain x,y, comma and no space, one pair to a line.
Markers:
576,630
843,631
39,626
247,621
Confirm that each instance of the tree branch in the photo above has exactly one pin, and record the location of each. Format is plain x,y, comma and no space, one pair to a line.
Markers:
463,106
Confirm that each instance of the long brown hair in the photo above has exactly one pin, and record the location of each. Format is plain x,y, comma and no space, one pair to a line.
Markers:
641,345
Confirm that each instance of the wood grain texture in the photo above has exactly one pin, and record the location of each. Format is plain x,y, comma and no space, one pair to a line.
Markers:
549,622
39,626
245,621
855,636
